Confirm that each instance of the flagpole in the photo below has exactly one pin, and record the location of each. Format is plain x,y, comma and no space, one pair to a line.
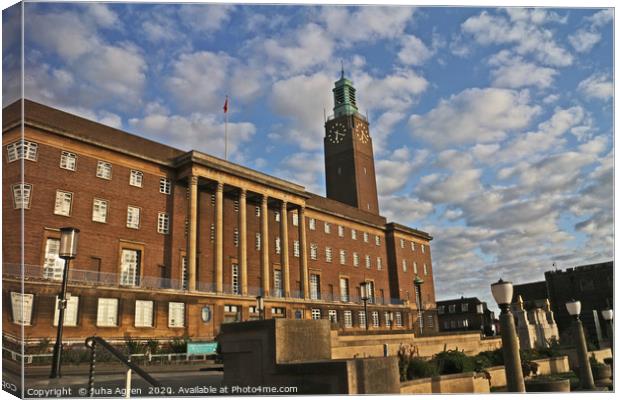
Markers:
226,136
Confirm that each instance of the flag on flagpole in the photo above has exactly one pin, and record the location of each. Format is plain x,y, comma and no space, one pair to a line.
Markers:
226,105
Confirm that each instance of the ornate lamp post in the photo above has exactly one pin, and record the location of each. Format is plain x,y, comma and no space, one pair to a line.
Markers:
585,372
260,306
608,315
502,293
365,296
68,250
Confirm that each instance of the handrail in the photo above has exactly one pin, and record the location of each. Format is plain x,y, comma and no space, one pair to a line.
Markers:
92,340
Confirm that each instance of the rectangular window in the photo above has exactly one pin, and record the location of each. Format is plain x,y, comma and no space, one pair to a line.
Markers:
295,218
176,315
130,267
63,202
452,308
441,309
22,149
257,241
343,257
53,266
368,265
425,269
100,210
296,248
22,303
315,287
278,312
257,211
340,231
398,319
430,321
104,170
212,232
464,307
312,224
365,235
377,240
184,273
379,264
348,319
402,244
344,289
333,316
107,312
314,250
327,227
277,283
316,313
328,254
133,217
370,285
235,279
361,317
423,248
353,234
278,245
277,216
165,186
135,178
415,267
144,314
213,200
236,237
356,259
21,195
68,160
375,319
412,246
236,205
386,317
163,223
71,311
404,265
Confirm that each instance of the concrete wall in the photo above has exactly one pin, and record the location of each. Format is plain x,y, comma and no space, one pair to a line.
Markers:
546,366
600,356
467,382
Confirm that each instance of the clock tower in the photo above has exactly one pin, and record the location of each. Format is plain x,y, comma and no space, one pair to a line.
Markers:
349,162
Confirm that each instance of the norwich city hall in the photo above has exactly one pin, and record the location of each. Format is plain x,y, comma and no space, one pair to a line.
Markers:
175,243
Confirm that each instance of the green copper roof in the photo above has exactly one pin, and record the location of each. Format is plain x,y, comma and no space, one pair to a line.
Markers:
344,97
418,280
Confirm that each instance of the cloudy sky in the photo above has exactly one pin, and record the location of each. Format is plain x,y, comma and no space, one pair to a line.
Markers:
492,128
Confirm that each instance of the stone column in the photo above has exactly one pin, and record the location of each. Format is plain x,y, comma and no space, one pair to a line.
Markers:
303,251
264,237
192,232
284,248
219,238
243,241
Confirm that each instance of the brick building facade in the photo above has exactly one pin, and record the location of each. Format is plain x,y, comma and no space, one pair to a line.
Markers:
176,243
465,314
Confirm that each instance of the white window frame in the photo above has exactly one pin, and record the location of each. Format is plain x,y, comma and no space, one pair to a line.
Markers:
368,262
425,269
176,314
165,185
133,217
68,160
314,251
340,231
276,216
53,266
130,268
377,240
398,319
311,224
316,313
236,236
22,149
71,311
105,307
22,192
63,203
348,319
104,170
353,234
234,279
257,241
184,273
163,223
100,210
361,318
365,235
464,307
333,316
344,290
143,313
423,248
295,218
375,319
315,287
257,211
328,254
343,257
136,178
412,245
236,205
296,248
415,267
278,245
277,283
356,259
379,264
21,305
404,265
327,228
402,243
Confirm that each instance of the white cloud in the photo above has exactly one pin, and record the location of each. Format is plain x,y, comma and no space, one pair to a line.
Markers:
304,168
414,51
514,72
404,209
583,40
474,116
455,187
597,86
601,18
395,171
205,18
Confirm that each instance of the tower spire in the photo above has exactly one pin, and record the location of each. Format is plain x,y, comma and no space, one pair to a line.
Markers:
344,95
341,69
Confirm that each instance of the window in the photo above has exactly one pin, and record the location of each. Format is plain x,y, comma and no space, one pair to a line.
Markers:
402,244
431,321
277,216
165,186
356,259
316,313
211,232
340,231
446,325
368,261
412,246
22,149
328,254
423,248
184,273
377,240
441,309
22,303
398,319
348,319
163,223
315,287
365,235
353,234
53,266
296,248
229,308
425,269
370,285
278,312
236,237
464,307
21,195
379,264
312,224
327,227
104,170
343,257
213,200
404,265
100,210
63,203
452,324
135,178
107,312
176,315
68,160
452,308
314,249
278,245
375,319
130,267
415,267
71,311
144,314
257,211
333,316
234,276
295,218
277,283
236,205
344,289
361,316
133,217
257,242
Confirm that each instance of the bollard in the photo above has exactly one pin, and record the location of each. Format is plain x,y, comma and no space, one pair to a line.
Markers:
385,349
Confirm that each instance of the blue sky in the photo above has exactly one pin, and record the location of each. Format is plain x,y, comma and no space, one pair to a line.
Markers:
492,128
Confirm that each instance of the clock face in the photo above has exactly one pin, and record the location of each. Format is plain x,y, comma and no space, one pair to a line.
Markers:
336,133
362,133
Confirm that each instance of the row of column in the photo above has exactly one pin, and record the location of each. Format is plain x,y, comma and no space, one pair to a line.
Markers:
243,246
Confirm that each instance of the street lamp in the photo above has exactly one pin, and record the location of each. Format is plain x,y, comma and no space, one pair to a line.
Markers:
391,319
365,296
585,371
260,306
502,293
608,315
68,250
417,283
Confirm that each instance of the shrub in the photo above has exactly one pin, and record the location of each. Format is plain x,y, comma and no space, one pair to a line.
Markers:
178,344
490,358
405,354
420,368
134,346
453,362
